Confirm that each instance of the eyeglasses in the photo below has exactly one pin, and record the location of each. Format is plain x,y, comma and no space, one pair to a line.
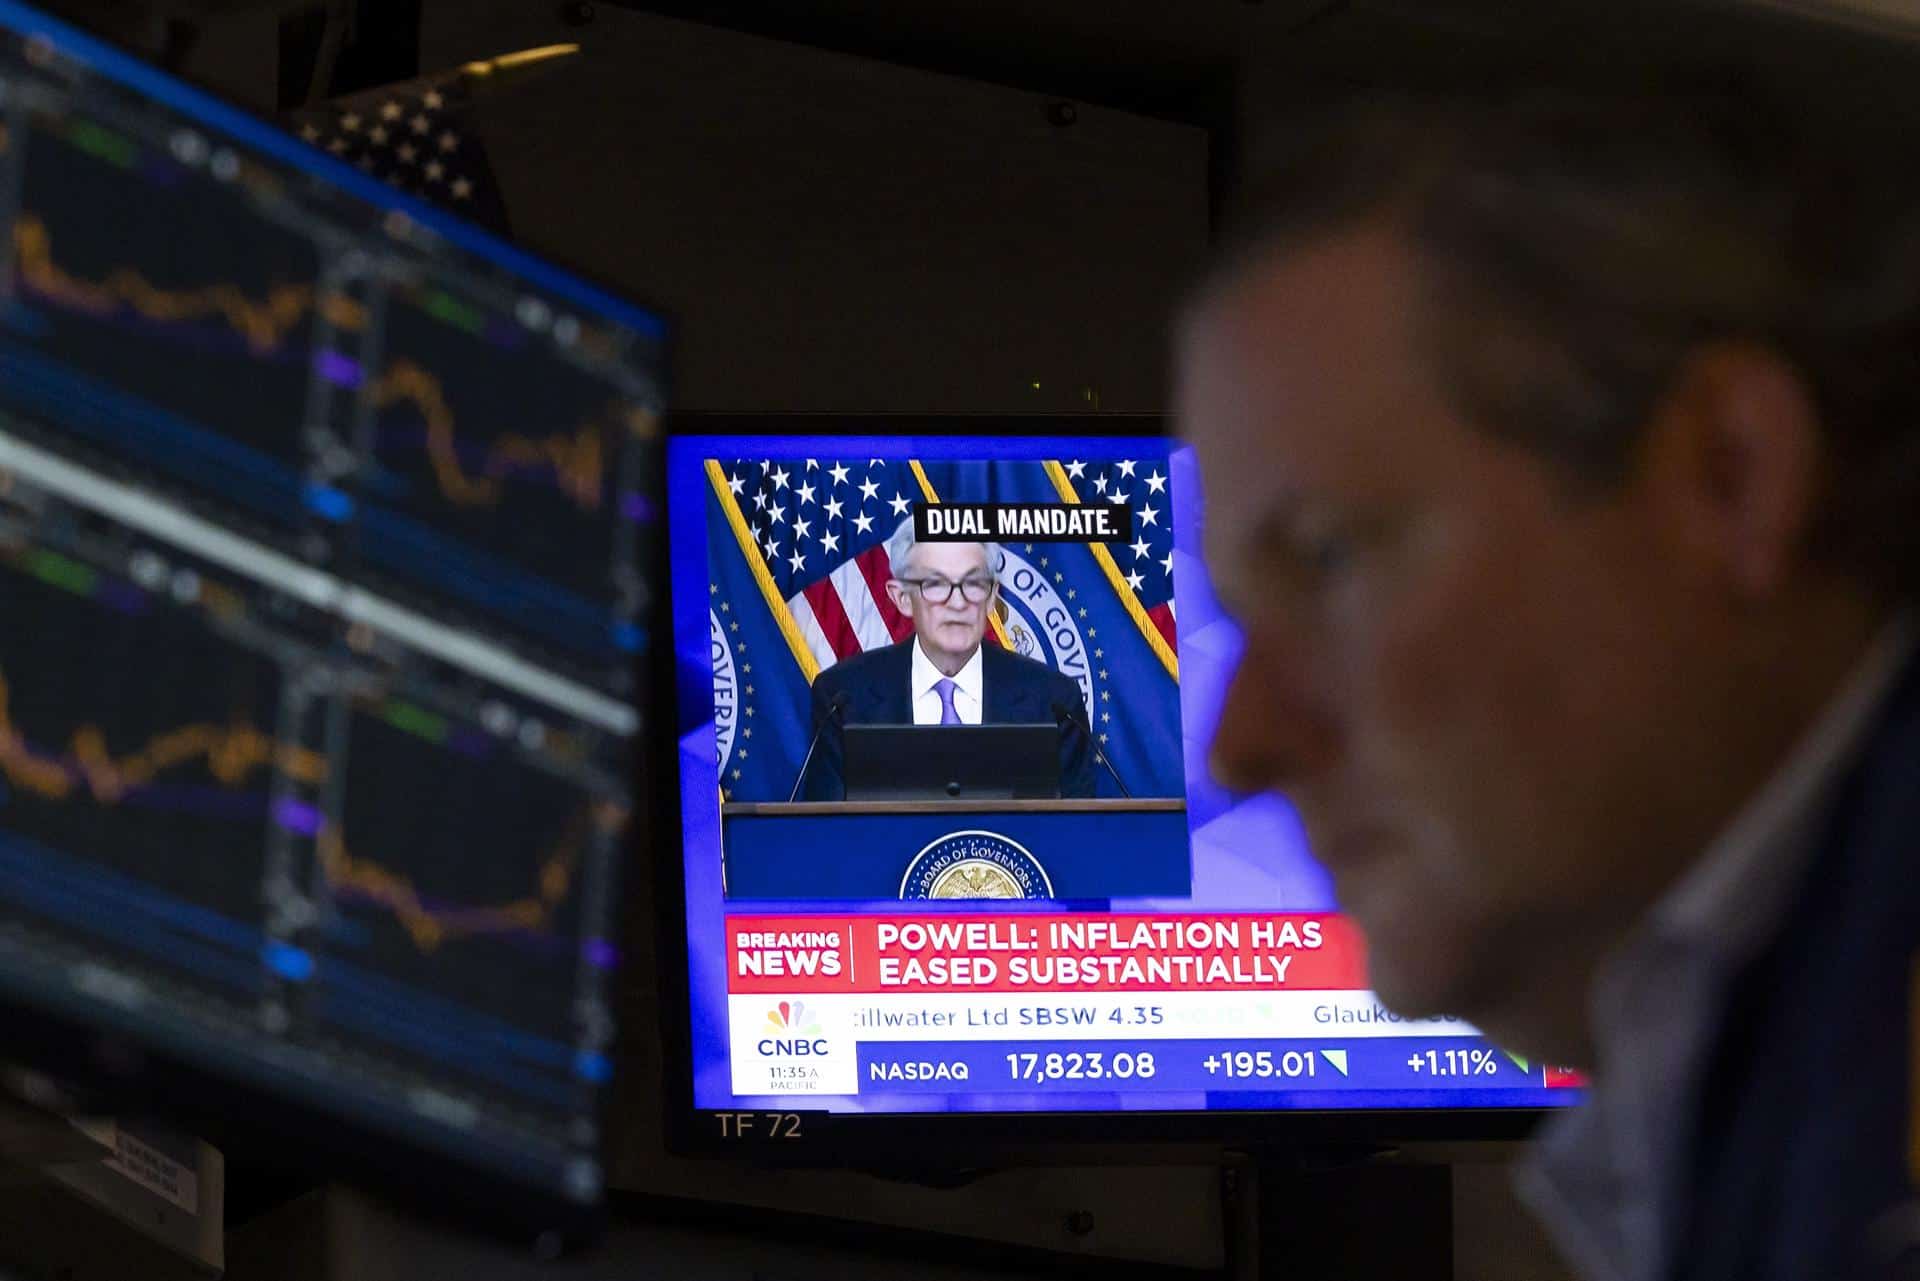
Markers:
938,591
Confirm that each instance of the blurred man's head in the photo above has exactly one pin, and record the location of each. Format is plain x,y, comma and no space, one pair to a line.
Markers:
947,589
1558,468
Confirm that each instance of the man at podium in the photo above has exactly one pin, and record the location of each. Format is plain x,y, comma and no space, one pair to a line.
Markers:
943,675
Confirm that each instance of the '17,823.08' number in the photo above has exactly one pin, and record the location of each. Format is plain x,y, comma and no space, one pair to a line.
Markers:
1091,1065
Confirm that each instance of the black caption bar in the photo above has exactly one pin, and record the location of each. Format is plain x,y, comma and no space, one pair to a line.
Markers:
1022,522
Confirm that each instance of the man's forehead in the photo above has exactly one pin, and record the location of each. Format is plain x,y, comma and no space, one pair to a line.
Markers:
962,556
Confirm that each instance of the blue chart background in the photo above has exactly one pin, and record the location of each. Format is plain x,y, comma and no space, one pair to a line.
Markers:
1249,854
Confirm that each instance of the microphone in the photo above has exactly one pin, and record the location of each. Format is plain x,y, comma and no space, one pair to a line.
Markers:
836,708
1065,714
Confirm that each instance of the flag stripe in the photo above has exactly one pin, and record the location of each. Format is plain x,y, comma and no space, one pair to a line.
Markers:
803,653
861,609
1162,616
874,568
832,617
1164,652
820,651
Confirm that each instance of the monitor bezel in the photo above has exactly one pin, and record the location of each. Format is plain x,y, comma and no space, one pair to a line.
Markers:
924,1143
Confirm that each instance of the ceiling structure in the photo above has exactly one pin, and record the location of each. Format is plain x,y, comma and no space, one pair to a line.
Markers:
1176,59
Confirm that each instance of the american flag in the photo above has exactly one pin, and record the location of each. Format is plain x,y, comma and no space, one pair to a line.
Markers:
820,527
1146,564
416,135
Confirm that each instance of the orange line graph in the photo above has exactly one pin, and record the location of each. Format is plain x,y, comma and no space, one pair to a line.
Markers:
263,322
578,458
231,753
234,753
429,927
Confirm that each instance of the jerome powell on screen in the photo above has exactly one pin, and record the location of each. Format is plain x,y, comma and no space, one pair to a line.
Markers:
944,674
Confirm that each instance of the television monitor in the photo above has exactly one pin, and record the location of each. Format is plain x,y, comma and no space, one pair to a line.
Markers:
1145,959
324,525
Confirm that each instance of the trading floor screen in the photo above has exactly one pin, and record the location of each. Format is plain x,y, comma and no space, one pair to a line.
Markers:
324,523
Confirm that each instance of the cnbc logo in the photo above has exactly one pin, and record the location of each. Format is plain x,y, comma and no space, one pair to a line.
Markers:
792,1032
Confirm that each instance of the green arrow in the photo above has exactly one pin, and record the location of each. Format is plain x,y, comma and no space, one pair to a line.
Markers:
1338,1058
1518,1062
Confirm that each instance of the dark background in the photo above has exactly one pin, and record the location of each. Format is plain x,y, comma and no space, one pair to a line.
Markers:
929,207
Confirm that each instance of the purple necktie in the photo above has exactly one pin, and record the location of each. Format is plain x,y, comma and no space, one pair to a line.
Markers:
949,714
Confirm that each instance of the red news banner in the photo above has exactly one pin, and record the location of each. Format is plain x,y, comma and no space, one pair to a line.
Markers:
1034,953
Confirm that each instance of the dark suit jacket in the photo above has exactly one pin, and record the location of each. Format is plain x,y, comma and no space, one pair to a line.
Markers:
1015,691
1804,1120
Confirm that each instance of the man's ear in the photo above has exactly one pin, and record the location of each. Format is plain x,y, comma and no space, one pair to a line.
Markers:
1734,457
901,595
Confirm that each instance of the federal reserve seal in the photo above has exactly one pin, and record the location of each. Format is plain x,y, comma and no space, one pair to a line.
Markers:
975,864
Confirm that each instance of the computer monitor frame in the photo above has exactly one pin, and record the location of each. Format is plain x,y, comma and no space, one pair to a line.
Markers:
242,1097
940,1144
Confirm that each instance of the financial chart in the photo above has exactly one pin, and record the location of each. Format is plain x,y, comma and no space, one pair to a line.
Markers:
324,525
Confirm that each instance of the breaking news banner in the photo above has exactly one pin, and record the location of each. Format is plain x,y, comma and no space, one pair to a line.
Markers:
951,843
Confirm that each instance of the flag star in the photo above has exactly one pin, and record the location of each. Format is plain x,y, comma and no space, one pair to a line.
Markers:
389,110
876,462
899,505
365,163
1126,469
862,523
462,188
830,542
777,514
350,122
1117,497
420,124
798,560
449,140
833,509
760,499
1156,482
773,548
780,477
310,133
806,494
801,527
338,146
1135,581
1167,564
407,153
433,100
434,170
839,473
1140,549
1100,483
378,133
1076,469
869,489
735,483
1148,515
813,464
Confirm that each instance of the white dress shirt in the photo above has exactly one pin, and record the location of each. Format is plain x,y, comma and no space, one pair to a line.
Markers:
1604,1176
969,690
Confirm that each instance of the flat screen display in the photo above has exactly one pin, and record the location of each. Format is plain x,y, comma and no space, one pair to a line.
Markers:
1109,930
323,573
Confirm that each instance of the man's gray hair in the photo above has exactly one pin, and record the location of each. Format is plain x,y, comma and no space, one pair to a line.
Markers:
901,542
1577,247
